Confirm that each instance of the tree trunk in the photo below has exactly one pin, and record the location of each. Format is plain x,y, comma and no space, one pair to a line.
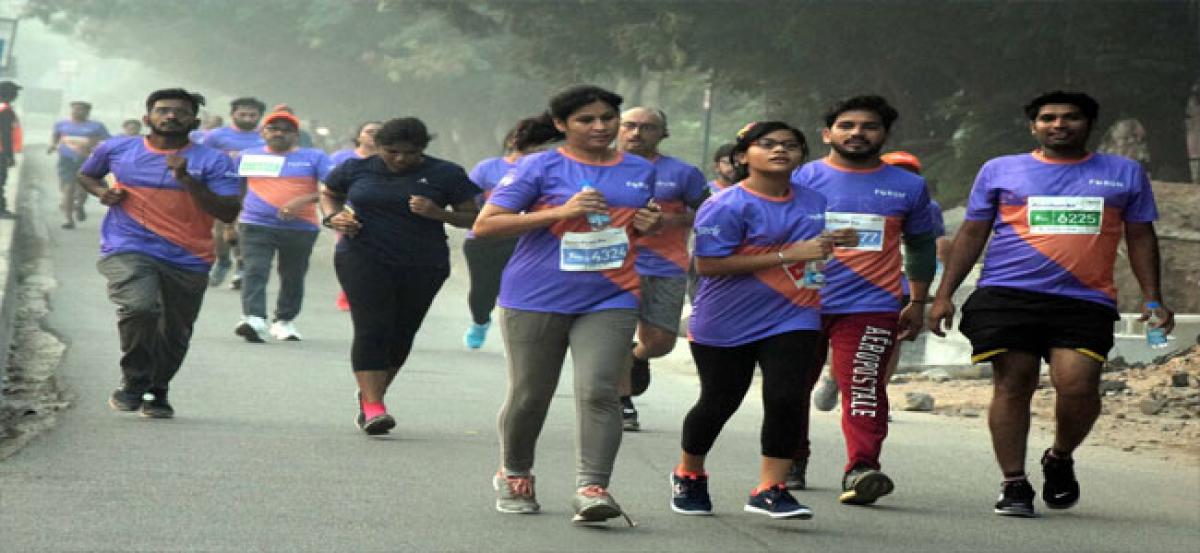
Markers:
1166,136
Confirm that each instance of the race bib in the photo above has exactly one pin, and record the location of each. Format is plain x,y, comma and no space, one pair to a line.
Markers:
260,165
593,251
1065,214
870,228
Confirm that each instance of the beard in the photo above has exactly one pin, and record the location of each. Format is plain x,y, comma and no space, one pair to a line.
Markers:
861,155
245,125
169,131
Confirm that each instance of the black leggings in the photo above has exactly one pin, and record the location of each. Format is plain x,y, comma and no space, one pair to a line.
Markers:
387,305
786,361
486,258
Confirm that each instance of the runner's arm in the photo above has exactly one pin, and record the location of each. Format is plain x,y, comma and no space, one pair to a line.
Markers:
1144,260
494,220
968,244
461,215
737,264
224,208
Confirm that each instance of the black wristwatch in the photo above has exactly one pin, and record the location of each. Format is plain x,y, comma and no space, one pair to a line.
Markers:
325,221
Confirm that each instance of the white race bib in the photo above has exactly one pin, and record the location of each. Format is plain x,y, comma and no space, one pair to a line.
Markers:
1065,214
870,228
593,251
260,165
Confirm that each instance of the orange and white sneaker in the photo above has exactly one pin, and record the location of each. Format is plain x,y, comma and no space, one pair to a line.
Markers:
514,494
594,504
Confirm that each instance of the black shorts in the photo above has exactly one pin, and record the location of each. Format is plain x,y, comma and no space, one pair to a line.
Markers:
997,319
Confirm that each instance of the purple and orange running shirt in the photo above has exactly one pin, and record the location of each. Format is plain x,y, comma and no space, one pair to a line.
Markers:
714,187
731,310
339,157
158,217
486,174
232,141
679,187
882,204
299,173
1056,225
533,280
78,134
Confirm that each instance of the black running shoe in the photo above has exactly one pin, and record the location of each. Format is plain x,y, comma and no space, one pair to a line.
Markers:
629,415
797,477
864,486
379,425
157,407
1061,490
777,502
1016,500
689,495
121,400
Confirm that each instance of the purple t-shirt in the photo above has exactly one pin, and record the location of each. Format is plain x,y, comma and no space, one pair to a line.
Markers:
679,187
1057,225
80,134
302,169
533,280
232,141
714,187
339,157
485,175
882,203
731,310
158,217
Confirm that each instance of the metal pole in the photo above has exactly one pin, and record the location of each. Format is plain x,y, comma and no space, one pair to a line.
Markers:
707,121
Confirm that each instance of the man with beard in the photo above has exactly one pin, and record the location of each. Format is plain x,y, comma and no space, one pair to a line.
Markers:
156,241
722,167
278,215
860,302
1055,218
244,114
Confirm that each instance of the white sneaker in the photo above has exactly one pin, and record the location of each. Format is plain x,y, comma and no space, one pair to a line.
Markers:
825,394
285,331
253,329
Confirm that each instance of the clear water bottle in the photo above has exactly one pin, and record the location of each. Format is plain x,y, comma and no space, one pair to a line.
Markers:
598,221
814,275
1155,337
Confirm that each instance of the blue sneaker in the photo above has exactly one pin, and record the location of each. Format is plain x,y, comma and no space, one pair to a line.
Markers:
689,495
476,334
777,502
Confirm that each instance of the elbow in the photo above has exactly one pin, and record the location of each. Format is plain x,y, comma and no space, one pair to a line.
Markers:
481,227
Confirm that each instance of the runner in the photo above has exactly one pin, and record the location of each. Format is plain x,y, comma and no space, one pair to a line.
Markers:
662,257
722,167
306,140
278,216
391,282
74,139
242,134
364,147
571,284
11,140
486,257
825,393
752,244
155,242
1055,217
862,314
131,127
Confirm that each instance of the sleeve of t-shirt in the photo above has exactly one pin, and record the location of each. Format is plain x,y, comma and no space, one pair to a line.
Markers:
102,132
1141,207
939,220
478,174
459,187
719,229
97,164
695,187
338,180
920,218
981,204
521,186
220,176
324,166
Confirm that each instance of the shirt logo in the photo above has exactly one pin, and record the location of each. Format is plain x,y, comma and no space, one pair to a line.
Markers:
299,164
637,185
506,180
665,184
1106,183
713,231
890,193
816,217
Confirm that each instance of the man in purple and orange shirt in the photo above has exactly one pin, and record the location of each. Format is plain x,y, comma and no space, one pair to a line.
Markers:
241,134
861,307
663,260
156,241
1055,218
74,139
278,215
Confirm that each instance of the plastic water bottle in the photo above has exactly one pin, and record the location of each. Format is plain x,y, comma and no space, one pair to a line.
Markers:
598,221
1155,337
814,275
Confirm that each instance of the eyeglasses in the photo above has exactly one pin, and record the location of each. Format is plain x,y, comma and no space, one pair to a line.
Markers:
167,110
274,128
632,126
789,145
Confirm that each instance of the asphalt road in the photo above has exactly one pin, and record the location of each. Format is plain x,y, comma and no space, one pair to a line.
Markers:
263,456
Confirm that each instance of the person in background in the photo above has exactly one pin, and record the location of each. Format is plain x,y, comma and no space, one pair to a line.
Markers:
364,147
722,167
11,140
306,139
241,134
74,139
131,127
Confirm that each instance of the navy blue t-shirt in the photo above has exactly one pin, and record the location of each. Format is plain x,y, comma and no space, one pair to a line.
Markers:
390,233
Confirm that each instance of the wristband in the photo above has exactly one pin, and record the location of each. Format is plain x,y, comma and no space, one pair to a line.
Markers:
781,260
325,221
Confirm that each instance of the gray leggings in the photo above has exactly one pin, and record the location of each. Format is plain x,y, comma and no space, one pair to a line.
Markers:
537,344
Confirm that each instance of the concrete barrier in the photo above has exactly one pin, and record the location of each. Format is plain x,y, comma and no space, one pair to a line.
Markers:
9,261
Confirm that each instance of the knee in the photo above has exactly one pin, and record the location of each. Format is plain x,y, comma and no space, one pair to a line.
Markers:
1078,388
657,342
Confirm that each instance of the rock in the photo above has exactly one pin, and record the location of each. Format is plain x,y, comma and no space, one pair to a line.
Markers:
969,413
1180,380
900,379
1112,386
918,401
937,375
1152,406
1120,415
1128,448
